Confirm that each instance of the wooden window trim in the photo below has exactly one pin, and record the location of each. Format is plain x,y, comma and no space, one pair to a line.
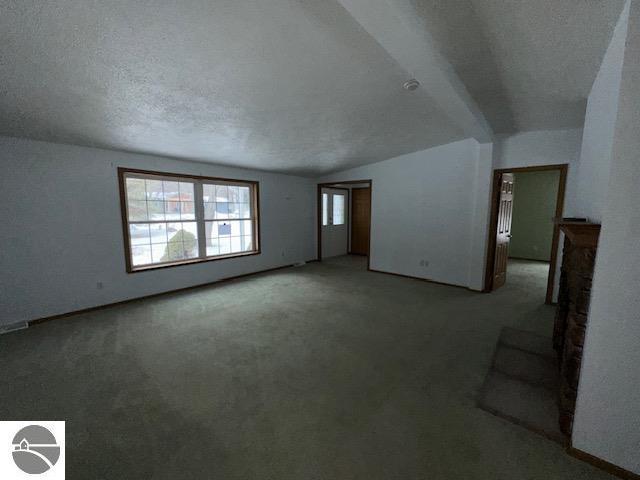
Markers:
255,204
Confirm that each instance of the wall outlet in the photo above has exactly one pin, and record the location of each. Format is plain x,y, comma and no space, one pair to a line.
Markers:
99,285
424,263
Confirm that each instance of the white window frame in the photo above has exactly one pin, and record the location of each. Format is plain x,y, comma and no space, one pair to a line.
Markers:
199,208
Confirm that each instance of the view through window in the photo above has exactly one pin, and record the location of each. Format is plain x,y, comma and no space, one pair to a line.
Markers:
338,209
325,209
172,219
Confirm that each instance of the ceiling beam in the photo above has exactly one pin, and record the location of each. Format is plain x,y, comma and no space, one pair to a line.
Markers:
396,26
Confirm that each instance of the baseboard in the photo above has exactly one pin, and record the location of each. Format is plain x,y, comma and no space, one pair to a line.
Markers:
424,280
602,464
146,297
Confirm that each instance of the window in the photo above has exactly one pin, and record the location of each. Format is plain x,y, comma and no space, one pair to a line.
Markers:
325,209
174,219
338,209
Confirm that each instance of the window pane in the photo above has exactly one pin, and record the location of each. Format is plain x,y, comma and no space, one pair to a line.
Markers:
171,191
209,211
190,228
244,210
234,194
187,211
222,210
158,251
154,190
209,193
190,239
325,209
231,236
222,193
141,255
172,209
156,210
211,240
245,195
138,211
158,232
172,232
234,210
183,242
186,192
247,243
135,188
225,245
236,244
210,231
236,228
213,249
139,234
338,209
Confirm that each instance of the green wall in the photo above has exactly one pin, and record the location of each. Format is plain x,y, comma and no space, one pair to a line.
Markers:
534,206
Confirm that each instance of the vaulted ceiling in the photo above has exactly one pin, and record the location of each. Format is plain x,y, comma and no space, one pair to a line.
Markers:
529,64
297,86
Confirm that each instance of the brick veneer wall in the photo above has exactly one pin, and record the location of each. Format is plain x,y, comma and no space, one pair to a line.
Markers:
571,318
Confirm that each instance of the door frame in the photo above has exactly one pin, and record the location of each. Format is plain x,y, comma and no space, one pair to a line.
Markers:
351,220
320,186
493,223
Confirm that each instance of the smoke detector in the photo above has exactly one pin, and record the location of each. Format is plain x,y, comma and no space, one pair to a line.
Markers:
411,85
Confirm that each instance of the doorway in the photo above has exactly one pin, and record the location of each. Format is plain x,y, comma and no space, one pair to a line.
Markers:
360,220
524,235
344,219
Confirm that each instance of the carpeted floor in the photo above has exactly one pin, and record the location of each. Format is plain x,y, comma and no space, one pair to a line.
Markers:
325,371
522,385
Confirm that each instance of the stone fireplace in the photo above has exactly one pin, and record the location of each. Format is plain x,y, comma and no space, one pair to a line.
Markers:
581,241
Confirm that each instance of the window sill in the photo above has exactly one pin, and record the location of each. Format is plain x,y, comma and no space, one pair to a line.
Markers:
146,268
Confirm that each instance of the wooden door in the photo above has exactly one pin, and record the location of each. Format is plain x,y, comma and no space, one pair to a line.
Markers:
360,220
503,233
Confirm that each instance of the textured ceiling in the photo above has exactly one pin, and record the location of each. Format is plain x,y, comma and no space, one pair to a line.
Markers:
529,64
295,86
283,85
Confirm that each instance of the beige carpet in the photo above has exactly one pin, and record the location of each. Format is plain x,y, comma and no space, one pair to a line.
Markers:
522,384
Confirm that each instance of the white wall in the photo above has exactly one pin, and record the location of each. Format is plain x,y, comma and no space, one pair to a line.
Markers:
545,147
479,232
61,230
424,208
450,186
600,121
540,147
607,421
